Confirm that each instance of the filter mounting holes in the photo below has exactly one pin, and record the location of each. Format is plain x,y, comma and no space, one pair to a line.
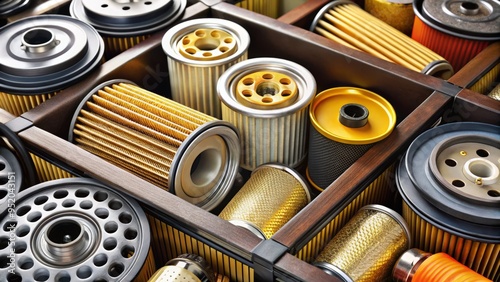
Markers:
25,263
41,274
109,244
458,183
101,213
482,153
22,230
100,260
125,8
450,162
100,196
41,200
130,234
116,269
494,193
104,5
2,166
84,272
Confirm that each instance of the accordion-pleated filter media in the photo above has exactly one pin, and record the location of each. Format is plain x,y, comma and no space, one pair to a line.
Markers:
186,152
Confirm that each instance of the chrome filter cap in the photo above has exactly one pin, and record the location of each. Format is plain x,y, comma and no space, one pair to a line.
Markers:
45,54
73,230
450,177
124,18
470,19
11,7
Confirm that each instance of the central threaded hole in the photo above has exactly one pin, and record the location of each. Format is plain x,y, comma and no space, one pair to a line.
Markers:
481,169
38,36
207,44
64,232
469,6
267,88
354,111
205,167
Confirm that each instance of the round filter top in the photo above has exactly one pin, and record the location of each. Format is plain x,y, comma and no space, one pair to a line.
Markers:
352,115
473,19
47,53
10,7
207,44
122,18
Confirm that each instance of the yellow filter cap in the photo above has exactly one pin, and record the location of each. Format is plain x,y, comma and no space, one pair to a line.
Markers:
352,115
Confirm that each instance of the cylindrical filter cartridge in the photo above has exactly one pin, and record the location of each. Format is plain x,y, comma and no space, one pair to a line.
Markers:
268,8
12,7
449,182
193,155
75,230
418,266
186,267
199,51
123,24
396,13
336,142
458,30
42,55
268,99
270,198
367,247
344,22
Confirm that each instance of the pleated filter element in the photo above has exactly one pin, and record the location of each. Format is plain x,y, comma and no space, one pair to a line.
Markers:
457,30
268,99
344,22
47,171
449,182
179,149
268,8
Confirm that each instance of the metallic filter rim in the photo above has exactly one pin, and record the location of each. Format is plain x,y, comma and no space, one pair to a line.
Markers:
290,171
46,53
12,7
333,271
195,264
407,264
128,18
438,212
175,34
89,211
440,16
325,9
227,83
379,111
396,216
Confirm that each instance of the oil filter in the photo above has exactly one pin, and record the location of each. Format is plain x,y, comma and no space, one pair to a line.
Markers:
449,182
42,55
457,30
418,266
335,143
268,8
270,198
198,52
267,99
397,13
344,22
179,149
367,247
186,268
123,24
74,230
12,7
48,171
495,92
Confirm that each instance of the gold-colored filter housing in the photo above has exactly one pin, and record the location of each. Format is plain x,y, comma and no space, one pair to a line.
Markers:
367,247
396,13
268,8
19,104
269,199
344,22
179,149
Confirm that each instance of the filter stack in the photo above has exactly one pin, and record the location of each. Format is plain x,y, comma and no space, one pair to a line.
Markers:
449,182
344,22
268,99
123,24
75,230
186,152
199,52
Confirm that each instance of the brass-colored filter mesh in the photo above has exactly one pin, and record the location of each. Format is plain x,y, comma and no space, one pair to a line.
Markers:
19,104
268,200
367,247
47,171
483,258
378,192
136,130
116,45
169,242
264,7
352,26
148,269
495,93
487,81
398,15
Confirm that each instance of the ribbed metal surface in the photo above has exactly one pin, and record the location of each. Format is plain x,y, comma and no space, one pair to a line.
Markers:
367,247
486,83
268,200
380,191
346,23
173,146
47,171
268,8
168,242
19,104
116,45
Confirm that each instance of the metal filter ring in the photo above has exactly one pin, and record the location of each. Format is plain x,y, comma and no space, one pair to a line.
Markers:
11,7
267,99
74,230
128,18
179,149
47,53
204,49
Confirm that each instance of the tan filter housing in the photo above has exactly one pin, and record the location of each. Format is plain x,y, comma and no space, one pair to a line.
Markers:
192,155
268,100
268,8
198,52
42,55
185,268
449,182
270,198
344,22
367,247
